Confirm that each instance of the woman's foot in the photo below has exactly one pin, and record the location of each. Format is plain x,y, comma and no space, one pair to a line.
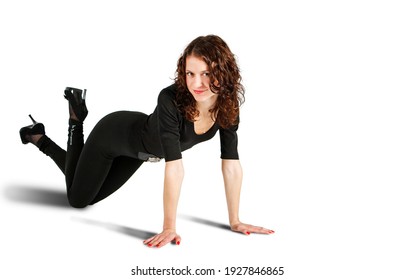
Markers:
32,133
77,106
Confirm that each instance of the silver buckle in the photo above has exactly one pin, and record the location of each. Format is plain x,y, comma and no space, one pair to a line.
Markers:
153,159
148,157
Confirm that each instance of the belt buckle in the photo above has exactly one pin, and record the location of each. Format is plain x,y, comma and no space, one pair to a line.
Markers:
153,159
148,157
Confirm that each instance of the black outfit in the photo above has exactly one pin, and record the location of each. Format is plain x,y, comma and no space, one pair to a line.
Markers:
110,155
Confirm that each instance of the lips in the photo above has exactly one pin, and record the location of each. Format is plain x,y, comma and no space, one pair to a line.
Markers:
198,91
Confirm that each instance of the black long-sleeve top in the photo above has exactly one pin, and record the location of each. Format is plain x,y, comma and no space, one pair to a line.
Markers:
167,133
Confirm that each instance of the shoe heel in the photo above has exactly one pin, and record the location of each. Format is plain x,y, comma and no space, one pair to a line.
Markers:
35,128
76,98
33,120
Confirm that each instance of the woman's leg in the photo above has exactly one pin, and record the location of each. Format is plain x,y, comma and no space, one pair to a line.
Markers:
74,148
99,167
106,161
35,134
121,170
66,161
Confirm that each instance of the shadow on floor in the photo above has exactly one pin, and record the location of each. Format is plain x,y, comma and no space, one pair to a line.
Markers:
136,233
46,197
37,195
205,222
142,234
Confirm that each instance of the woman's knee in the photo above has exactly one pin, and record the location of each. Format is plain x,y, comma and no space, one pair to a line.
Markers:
77,203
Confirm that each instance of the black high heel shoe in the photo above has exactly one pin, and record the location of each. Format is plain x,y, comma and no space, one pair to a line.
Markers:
76,98
27,131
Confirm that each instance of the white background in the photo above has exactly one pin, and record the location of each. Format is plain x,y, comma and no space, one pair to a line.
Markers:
326,137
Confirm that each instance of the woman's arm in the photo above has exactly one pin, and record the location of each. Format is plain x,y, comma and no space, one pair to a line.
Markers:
173,178
232,177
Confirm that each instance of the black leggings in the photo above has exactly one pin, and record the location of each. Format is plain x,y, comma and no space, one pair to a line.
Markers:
108,158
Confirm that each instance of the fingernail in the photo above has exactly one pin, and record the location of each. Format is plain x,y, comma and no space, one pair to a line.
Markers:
272,231
158,245
178,243
248,233
149,245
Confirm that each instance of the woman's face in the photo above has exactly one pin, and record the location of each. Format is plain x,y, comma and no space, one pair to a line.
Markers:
198,80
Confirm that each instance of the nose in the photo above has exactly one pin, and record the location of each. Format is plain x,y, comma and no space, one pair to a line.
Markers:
198,81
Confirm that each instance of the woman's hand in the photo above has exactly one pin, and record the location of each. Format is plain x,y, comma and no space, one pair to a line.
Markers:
161,239
248,229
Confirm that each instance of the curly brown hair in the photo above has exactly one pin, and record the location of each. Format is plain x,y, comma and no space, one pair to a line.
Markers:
225,80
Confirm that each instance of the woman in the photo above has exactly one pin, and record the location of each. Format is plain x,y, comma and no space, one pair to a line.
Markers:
204,99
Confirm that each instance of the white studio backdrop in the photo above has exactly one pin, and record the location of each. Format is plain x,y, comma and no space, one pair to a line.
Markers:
326,138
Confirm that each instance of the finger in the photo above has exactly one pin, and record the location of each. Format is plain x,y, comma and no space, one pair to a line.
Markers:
177,240
166,239
147,241
256,229
160,238
153,240
246,231
243,229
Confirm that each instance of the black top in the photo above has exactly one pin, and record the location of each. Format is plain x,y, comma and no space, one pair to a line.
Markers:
167,133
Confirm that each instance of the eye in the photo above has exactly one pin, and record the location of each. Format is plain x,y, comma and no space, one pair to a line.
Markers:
189,74
206,74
